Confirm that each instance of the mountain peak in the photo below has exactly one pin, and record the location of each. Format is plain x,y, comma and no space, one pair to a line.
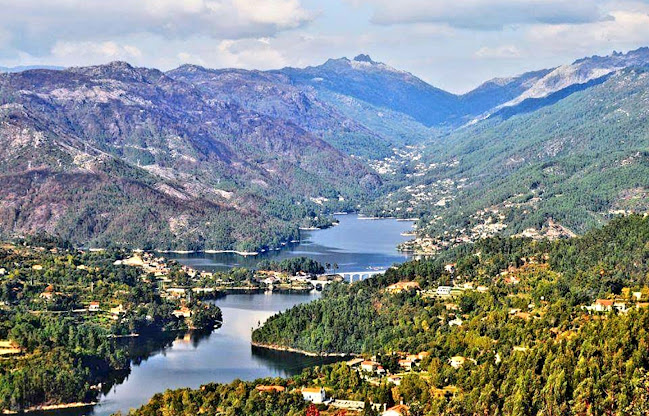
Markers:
363,58
118,70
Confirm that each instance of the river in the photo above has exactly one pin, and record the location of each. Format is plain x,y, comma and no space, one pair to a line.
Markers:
355,244
226,354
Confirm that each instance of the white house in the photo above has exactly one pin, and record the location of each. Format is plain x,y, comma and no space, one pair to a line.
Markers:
315,395
396,380
601,305
457,361
369,366
443,290
94,306
455,322
620,307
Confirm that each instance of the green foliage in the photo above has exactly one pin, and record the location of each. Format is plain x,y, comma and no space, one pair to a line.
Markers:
236,398
567,362
292,266
66,349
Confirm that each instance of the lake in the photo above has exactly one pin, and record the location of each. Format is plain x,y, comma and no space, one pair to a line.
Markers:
226,354
356,244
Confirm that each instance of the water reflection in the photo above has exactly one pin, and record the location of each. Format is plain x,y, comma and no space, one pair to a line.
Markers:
355,245
193,359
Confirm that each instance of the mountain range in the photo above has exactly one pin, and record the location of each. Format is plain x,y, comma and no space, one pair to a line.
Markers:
198,158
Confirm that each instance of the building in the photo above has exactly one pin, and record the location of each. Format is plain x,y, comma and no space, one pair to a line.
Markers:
457,361
118,310
620,307
443,290
369,366
601,305
315,395
270,280
270,389
183,312
407,364
94,306
455,322
398,410
403,286
176,292
396,380
354,362
48,294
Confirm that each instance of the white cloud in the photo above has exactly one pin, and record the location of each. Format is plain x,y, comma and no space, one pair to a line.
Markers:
504,51
37,24
83,52
626,30
484,14
284,13
442,41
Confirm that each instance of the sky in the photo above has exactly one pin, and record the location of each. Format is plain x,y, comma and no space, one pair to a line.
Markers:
452,44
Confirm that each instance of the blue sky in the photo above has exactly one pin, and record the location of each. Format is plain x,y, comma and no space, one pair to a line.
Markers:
452,44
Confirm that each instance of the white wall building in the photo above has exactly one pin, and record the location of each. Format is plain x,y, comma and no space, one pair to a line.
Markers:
314,394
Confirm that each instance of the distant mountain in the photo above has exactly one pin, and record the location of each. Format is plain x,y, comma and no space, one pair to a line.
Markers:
497,91
583,72
273,95
238,159
30,67
114,153
576,161
381,86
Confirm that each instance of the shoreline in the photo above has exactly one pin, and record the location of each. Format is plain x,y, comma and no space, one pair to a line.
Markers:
299,351
50,407
241,253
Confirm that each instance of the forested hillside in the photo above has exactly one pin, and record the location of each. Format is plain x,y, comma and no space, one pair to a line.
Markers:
197,158
530,346
61,350
575,161
120,155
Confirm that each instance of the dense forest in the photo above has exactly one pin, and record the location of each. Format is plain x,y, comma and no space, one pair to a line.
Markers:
529,344
292,266
551,358
242,398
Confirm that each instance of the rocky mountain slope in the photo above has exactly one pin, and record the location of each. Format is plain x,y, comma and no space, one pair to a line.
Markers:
156,160
237,159
381,86
273,95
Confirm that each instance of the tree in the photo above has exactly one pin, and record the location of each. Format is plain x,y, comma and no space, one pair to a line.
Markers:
312,410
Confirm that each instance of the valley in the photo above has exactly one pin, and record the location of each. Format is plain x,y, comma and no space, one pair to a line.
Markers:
169,236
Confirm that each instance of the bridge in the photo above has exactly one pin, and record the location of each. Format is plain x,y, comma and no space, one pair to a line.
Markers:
357,276
351,277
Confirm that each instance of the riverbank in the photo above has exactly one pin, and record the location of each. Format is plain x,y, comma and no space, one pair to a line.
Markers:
50,407
299,351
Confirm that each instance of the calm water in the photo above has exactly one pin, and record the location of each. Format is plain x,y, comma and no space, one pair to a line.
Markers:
226,353
355,244
222,356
